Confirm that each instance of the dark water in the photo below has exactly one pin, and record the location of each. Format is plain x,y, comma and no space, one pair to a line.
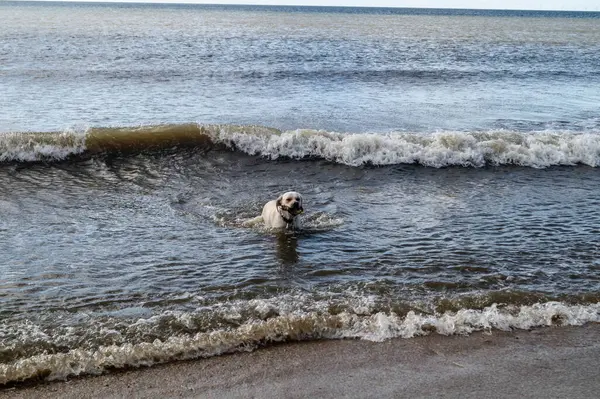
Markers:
448,162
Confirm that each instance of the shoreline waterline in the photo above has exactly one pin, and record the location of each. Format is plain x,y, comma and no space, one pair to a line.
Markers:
497,364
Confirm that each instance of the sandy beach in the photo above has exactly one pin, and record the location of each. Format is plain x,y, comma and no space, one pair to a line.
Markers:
556,362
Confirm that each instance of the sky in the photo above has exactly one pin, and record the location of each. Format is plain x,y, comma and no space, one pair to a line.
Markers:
572,5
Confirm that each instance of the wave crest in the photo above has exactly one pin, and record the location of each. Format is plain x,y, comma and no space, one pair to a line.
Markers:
34,147
438,149
277,325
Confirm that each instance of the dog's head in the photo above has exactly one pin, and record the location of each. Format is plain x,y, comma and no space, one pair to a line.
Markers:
290,202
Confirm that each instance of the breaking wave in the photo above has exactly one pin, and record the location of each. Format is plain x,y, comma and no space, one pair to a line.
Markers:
256,323
437,149
32,147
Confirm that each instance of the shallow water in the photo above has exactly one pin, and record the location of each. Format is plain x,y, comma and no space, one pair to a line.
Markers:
449,178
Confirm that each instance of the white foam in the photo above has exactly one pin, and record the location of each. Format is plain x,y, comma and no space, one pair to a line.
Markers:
440,149
279,319
312,222
321,221
436,149
32,147
381,326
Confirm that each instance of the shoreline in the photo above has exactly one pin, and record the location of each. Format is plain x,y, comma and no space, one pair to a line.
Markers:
545,362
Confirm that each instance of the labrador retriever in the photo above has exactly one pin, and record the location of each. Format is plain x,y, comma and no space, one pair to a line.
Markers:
283,211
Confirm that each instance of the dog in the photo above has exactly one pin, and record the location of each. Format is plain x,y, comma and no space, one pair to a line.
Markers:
283,212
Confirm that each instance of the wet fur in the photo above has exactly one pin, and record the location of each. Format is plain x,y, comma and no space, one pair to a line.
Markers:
284,211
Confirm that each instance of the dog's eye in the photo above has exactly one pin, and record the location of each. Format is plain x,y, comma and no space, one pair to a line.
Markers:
288,200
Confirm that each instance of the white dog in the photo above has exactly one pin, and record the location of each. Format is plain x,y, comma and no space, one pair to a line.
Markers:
283,211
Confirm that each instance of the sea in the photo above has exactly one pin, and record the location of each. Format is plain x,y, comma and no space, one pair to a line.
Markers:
449,162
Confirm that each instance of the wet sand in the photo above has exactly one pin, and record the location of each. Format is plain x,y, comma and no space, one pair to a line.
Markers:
558,362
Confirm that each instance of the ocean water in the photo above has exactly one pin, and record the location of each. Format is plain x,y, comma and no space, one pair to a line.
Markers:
448,159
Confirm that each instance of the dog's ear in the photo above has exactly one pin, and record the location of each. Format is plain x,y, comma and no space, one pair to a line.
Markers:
278,202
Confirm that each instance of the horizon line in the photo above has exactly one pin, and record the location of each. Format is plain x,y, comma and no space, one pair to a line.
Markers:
192,2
